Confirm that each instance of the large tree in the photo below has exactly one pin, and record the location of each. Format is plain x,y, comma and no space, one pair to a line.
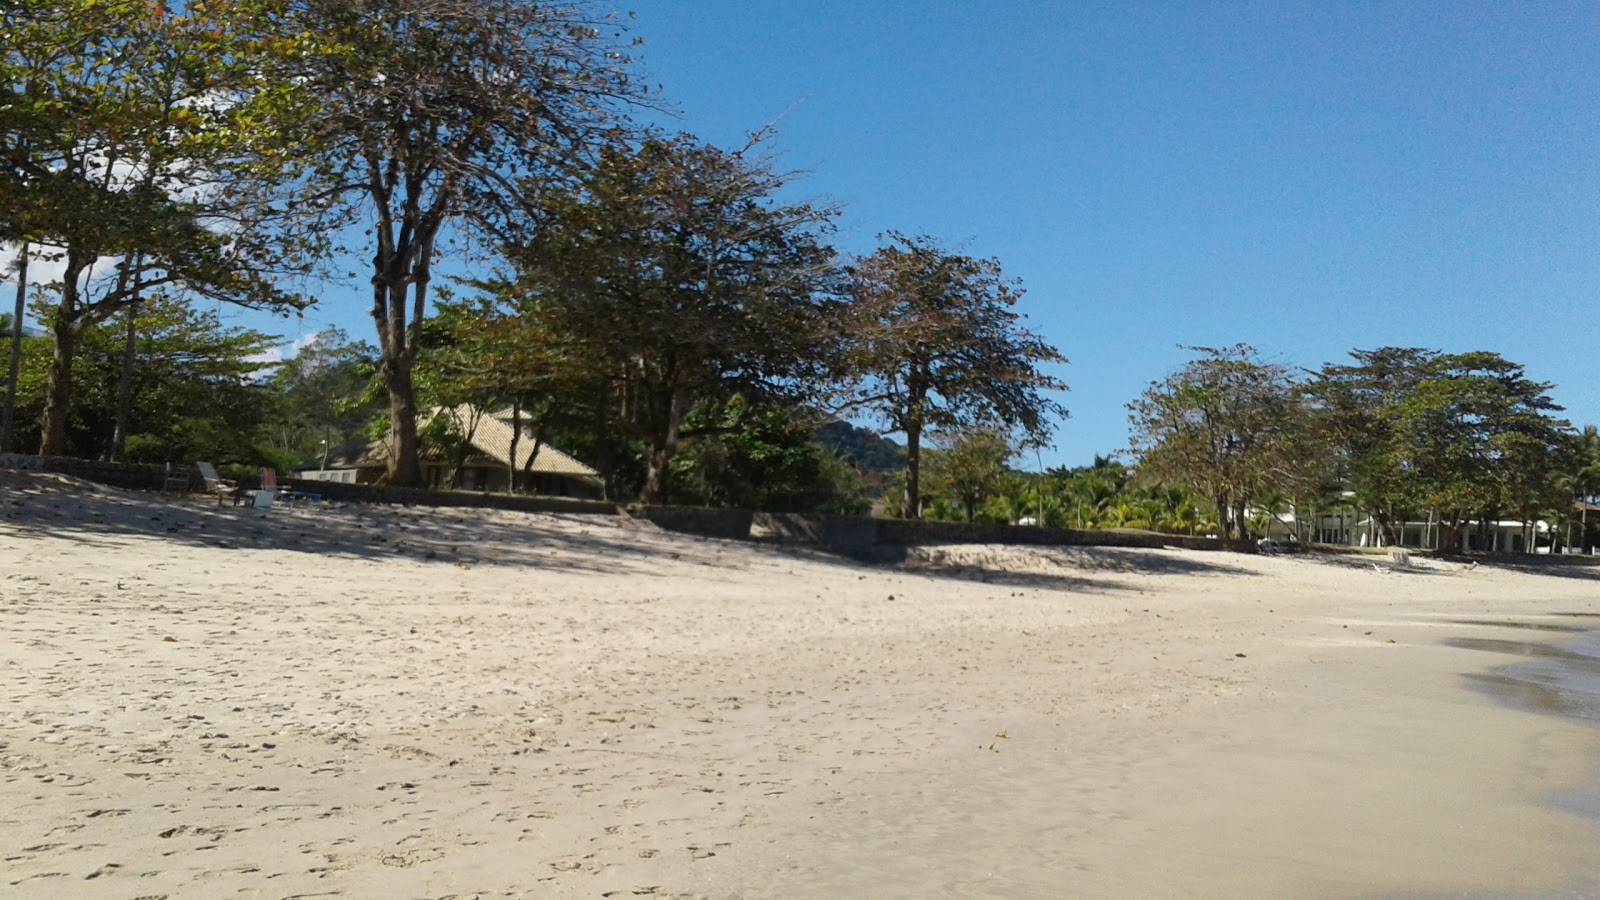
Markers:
1457,436
679,265
932,342
131,137
1230,425
1477,438
433,114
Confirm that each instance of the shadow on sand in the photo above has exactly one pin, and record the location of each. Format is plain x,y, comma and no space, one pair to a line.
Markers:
1586,568
1057,568
37,506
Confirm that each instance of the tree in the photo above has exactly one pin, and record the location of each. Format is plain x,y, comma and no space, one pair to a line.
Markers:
130,140
971,468
436,113
1475,437
197,393
322,397
763,457
1461,436
1355,405
677,266
1229,425
931,342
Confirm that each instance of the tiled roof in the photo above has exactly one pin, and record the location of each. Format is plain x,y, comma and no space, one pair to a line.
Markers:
491,444
491,436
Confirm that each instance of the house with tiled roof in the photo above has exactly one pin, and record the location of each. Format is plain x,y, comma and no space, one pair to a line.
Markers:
476,456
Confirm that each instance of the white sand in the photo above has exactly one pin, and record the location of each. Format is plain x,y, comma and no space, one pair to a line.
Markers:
373,702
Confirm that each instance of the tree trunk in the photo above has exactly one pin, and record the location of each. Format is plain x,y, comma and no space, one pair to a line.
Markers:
119,434
71,320
911,503
662,448
405,447
398,304
541,425
58,394
1391,533
9,414
516,438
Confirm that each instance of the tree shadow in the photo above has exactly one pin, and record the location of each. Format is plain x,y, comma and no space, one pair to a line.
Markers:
1072,569
1580,567
40,506
1369,563
35,506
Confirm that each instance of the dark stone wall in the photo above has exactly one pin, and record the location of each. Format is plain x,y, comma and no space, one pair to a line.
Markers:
705,521
139,477
877,539
856,537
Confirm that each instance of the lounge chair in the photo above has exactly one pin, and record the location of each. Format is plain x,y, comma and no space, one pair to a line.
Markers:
216,484
181,483
262,499
289,495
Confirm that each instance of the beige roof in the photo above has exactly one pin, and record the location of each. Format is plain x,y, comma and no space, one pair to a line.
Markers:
491,435
491,439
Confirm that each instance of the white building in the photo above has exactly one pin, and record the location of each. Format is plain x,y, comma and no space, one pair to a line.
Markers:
1353,529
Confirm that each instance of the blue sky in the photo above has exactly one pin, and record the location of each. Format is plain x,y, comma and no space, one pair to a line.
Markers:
1307,178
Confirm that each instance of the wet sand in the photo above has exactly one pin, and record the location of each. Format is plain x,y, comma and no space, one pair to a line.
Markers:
200,702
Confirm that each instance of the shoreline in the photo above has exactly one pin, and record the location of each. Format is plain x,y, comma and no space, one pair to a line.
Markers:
203,701
1336,786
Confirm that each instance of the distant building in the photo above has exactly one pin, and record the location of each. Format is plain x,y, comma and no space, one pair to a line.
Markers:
1352,529
488,452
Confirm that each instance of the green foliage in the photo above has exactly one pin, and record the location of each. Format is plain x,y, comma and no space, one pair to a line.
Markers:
861,447
128,130
677,270
197,388
1467,435
322,394
970,468
762,457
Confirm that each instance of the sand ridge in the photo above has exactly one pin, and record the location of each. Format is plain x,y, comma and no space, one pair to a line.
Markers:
363,701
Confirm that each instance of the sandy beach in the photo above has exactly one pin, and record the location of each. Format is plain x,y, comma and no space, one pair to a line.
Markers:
389,702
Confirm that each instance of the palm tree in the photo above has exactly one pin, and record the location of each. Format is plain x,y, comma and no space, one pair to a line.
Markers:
1585,475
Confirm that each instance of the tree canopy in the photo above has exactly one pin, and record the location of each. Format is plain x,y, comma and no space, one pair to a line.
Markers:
1231,425
130,139
677,265
931,341
433,113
